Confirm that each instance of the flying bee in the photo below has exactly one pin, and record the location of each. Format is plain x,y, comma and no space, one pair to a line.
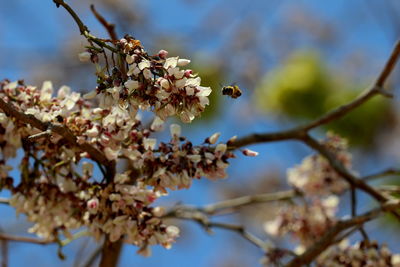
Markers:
232,91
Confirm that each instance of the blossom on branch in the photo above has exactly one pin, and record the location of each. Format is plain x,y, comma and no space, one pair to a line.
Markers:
307,222
365,253
59,197
315,176
152,82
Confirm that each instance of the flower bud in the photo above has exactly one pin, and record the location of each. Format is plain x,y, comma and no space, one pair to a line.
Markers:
188,73
164,83
163,54
175,130
93,205
183,62
214,138
84,56
130,59
249,153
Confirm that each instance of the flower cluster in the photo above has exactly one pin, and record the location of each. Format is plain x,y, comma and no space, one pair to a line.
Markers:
304,222
150,82
315,176
309,220
58,190
116,209
368,254
319,183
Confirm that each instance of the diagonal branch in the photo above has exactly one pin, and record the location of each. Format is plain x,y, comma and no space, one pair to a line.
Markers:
386,173
110,27
299,131
346,174
341,170
83,28
330,236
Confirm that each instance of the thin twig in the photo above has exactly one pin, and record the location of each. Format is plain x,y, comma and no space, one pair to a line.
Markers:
74,237
110,27
202,219
240,230
83,28
353,200
385,173
38,136
247,200
390,64
25,239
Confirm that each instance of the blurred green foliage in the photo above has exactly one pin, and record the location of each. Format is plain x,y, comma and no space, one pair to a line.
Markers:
211,76
302,89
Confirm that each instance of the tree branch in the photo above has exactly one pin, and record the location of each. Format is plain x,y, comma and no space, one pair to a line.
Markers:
83,28
341,170
94,153
24,239
202,219
326,240
110,27
385,173
300,131
248,200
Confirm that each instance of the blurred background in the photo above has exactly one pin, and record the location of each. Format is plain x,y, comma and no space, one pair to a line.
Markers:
293,60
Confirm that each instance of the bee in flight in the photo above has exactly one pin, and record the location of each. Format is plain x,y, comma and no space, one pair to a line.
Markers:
232,91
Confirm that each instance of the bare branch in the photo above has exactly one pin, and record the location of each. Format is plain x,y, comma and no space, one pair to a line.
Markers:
248,200
202,219
390,64
265,138
385,173
4,201
83,28
298,132
25,239
110,27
